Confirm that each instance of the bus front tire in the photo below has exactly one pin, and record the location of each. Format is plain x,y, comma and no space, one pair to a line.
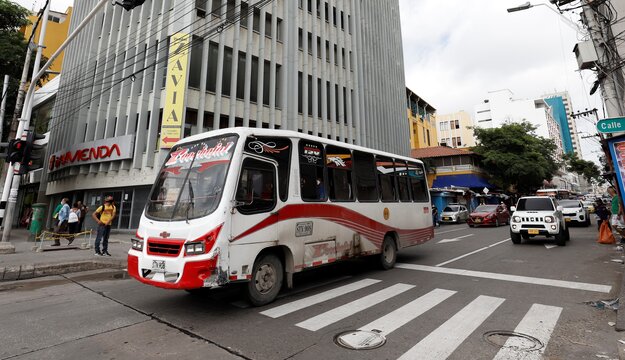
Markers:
389,253
266,280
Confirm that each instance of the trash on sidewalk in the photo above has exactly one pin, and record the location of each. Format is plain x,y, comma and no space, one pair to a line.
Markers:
620,261
611,323
604,304
622,342
618,248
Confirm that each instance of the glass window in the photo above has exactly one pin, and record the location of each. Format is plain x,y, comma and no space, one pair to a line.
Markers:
256,191
403,184
245,9
241,76
278,149
211,75
385,170
196,62
535,204
312,179
339,164
227,72
418,183
365,174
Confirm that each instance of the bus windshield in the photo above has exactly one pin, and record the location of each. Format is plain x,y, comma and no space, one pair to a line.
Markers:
192,180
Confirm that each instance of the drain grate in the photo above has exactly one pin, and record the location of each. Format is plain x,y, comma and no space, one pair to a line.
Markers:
521,341
360,339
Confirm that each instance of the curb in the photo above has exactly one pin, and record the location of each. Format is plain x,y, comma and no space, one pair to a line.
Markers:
23,272
620,312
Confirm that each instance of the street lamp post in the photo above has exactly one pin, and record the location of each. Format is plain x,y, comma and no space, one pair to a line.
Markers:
529,5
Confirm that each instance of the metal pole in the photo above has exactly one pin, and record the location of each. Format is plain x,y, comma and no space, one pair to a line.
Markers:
12,182
5,90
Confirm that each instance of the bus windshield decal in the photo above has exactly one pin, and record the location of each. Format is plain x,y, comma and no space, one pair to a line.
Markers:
185,155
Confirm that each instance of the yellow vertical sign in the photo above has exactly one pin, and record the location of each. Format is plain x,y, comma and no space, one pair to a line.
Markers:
175,89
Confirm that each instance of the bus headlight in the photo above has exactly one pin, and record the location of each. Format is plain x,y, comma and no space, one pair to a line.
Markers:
137,244
194,248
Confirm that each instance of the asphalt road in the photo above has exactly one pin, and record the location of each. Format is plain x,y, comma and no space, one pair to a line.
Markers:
440,302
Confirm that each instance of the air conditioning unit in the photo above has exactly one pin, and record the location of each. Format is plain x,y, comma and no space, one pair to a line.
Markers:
586,55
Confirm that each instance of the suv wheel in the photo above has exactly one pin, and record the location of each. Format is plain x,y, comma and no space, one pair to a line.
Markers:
567,234
516,238
497,222
561,238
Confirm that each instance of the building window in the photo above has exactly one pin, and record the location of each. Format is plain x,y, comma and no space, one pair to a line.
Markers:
196,61
456,124
211,75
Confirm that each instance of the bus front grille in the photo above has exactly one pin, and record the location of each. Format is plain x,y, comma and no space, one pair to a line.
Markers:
156,247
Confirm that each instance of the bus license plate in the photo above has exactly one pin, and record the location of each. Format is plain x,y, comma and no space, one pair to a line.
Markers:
158,265
532,231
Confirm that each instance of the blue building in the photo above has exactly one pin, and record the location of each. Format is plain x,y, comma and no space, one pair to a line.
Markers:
559,114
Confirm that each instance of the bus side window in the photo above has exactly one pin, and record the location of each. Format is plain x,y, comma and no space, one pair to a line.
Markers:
312,172
402,180
256,191
339,167
418,183
385,170
366,179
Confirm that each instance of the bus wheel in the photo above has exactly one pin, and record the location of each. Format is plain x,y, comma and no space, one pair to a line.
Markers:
266,280
389,253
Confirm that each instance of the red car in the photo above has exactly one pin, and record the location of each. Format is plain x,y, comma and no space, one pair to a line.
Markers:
489,215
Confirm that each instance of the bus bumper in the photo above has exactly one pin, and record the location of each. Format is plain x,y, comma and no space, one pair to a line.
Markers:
196,274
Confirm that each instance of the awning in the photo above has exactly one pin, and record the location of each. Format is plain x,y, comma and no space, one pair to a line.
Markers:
466,180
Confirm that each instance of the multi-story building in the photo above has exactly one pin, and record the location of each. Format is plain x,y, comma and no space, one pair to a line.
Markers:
501,108
562,109
422,120
135,82
56,33
455,130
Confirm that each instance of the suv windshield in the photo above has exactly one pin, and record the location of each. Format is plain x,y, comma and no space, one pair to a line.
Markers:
535,204
569,203
192,179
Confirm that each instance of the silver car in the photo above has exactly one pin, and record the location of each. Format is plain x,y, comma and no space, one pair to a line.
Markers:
454,213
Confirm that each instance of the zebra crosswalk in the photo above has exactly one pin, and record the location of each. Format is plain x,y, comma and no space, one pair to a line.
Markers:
539,321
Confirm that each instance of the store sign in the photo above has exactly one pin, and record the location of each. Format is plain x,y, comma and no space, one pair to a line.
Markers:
112,149
175,86
617,152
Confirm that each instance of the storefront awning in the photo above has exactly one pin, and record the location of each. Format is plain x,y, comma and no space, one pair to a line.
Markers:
466,180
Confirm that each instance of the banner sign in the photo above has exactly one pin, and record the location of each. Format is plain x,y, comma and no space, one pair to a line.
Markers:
111,149
175,90
617,151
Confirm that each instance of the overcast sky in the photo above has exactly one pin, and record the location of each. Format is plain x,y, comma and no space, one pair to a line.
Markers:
456,51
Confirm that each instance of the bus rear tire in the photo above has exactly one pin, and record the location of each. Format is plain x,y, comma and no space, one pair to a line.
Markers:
266,281
388,256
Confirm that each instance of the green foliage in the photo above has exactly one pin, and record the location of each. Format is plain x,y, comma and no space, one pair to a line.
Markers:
516,157
12,16
588,169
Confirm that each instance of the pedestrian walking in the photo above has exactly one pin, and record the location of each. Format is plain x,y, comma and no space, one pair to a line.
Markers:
104,216
63,216
83,213
73,222
435,216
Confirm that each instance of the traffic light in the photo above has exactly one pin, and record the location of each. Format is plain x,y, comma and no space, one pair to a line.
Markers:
130,4
33,152
15,152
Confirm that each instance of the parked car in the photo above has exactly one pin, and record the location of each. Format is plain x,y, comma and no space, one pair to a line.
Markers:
489,215
454,213
538,216
574,211
589,205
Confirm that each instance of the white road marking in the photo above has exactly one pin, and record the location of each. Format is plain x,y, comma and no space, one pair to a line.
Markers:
329,317
443,341
549,246
539,322
472,252
513,278
400,317
454,239
318,298
448,231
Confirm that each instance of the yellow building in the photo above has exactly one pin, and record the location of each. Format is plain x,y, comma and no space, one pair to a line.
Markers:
56,33
455,130
422,118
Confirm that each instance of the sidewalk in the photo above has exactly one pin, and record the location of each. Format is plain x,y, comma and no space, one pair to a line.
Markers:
27,263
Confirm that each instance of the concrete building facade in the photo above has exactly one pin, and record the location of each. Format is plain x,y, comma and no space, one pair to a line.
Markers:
135,82
455,130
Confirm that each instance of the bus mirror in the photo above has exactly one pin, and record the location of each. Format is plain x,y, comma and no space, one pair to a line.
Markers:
512,208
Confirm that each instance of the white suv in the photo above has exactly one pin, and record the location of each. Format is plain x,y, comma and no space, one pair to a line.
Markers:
538,216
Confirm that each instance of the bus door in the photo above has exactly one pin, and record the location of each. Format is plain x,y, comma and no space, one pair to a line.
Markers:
255,203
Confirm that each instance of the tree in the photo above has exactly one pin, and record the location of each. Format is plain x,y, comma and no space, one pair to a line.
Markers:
516,157
13,48
588,169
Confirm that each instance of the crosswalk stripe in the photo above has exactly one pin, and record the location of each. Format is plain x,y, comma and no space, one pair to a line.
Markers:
505,277
443,341
329,317
400,317
318,298
539,322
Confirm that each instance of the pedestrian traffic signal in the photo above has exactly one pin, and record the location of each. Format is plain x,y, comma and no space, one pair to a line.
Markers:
33,153
16,151
130,4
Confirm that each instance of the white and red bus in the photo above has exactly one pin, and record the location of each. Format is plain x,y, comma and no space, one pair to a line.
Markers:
258,205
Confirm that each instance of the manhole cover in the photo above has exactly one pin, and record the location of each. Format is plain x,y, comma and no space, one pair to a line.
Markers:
360,339
519,341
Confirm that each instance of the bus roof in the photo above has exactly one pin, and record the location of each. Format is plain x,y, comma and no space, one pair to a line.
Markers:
247,131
